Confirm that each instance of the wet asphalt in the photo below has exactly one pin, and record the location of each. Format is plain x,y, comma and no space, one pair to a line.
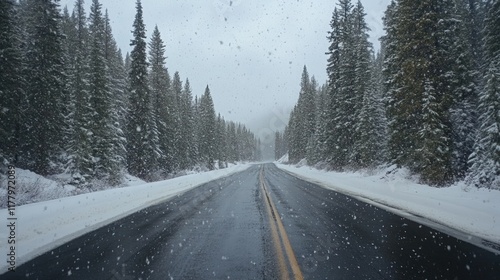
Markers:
221,230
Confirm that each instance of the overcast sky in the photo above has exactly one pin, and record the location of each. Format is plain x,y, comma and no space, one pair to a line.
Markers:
250,53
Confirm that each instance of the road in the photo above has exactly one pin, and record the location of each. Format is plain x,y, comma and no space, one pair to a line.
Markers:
263,223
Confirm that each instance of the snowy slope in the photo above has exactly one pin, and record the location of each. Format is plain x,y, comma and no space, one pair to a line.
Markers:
45,225
470,214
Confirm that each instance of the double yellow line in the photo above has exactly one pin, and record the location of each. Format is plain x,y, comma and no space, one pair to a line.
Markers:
280,238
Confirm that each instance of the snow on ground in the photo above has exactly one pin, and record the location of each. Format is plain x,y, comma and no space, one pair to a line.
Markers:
31,187
283,159
473,212
43,226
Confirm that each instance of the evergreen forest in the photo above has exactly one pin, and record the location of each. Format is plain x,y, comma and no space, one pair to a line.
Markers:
428,100
71,103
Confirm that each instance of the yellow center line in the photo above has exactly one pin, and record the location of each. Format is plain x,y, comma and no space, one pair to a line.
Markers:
282,235
277,245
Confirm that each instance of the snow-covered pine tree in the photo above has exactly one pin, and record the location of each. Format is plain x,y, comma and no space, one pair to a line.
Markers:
345,99
293,136
465,89
207,131
232,153
45,87
435,143
11,84
185,125
142,134
80,163
476,12
22,19
318,139
68,29
433,161
388,46
100,98
241,141
178,141
117,78
332,69
127,63
303,121
247,144
308,107
362,79
188,124
420,97
372,122
401,105
220,142
277,145
341,73
160,87
312,139
196,129
485,161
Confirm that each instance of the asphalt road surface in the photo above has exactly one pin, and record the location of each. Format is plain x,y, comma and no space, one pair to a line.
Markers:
263,223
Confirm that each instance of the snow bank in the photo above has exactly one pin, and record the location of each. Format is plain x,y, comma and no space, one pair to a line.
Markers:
45,225
31,187
470,211
283,159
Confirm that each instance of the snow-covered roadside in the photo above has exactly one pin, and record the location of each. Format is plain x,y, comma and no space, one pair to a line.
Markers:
45,225
471,211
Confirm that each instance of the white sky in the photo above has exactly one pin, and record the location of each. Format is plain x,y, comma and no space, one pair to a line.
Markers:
250,53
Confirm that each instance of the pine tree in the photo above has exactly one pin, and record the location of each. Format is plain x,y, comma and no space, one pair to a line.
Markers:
474,21
464,83
207,132
331,139
196,131
293,136
142,134
188,125
185,124
100,97
362,79
160,87
339,72
116,76
402,113
434,143
346,57
220,142
485,160
277,145
420,88
232,141
303,120
372,123
127,63
318,152
11,84
178,141
388,45
45,87
80,163
68,29
433,165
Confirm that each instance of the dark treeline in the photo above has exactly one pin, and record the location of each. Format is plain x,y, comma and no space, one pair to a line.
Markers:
70,103
429,101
